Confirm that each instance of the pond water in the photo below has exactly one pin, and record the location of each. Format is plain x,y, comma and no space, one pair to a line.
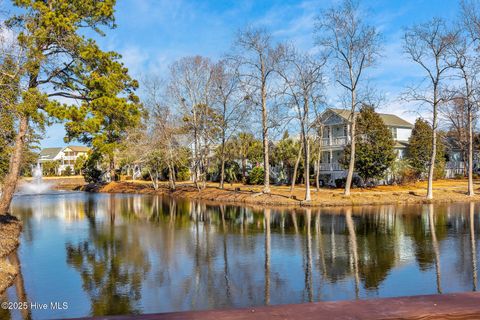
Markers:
105,254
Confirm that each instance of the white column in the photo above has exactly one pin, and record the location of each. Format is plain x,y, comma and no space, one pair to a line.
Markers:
331,160
330,135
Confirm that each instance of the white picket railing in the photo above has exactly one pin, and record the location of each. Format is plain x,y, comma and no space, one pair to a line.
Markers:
334,141
330,167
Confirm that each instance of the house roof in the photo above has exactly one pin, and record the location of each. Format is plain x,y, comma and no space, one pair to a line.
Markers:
390,120
78,148
49,153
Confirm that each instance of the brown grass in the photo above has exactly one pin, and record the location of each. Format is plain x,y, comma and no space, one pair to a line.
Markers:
444,191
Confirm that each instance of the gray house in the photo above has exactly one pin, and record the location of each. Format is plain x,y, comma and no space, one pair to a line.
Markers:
336,124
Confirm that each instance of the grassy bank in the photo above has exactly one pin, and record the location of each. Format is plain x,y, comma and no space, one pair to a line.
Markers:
444,191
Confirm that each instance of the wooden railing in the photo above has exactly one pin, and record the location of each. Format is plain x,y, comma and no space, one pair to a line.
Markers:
330,167
334,141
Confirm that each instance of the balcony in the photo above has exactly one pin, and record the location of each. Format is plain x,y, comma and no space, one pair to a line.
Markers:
331,167
335,141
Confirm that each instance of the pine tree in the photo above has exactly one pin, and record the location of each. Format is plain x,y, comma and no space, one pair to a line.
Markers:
60,61
419,149
375,147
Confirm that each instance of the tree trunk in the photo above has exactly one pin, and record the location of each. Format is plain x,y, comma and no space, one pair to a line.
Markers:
431,169
196,160
294,176
266,164
306,152
171,176
471,191
222,170
244,170
154,179
11,180
112,169
351,164
306,169
319,160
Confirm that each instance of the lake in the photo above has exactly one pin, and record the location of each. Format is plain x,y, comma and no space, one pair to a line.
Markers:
106,254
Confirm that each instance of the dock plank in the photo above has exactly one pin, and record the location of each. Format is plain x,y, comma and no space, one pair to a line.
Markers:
452,306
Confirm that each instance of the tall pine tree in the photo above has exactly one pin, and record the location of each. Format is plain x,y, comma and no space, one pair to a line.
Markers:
59,61
419,149
375,146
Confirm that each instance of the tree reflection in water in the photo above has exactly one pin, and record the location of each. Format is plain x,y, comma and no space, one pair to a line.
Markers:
473,248
112,265
154,254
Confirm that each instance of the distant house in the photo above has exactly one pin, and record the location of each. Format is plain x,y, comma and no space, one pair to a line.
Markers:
66,156
336,123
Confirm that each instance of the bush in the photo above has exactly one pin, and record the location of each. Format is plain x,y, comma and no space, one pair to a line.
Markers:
68,171
403,173
233,171
256,176
183,174
90,171
356,182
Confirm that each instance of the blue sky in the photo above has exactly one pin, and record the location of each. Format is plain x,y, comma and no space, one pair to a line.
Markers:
151,34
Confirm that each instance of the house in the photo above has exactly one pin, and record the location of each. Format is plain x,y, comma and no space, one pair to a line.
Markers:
65,156
336,124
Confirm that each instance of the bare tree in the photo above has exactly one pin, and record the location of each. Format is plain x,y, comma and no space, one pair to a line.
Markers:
302,76
258,59
155,145
456,114
231,106
467,65
428,45
353,45
191,87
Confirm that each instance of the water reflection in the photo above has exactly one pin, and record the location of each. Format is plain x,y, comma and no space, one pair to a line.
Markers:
128,254
112,265
473,248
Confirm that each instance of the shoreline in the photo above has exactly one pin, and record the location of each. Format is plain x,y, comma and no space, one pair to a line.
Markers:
445,191
10,229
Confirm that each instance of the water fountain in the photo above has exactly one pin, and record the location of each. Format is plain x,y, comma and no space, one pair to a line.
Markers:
37,186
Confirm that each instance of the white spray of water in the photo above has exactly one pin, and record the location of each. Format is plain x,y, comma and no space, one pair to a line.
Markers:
37,185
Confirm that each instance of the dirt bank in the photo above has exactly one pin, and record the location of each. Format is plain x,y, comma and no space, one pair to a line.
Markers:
444,191
10,228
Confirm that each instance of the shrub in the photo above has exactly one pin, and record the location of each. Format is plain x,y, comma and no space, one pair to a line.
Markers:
232,171
403,173
183,174
68,171
256,176
90,171
356,182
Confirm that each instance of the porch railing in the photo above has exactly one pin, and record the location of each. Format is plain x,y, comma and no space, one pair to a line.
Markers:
331,167
334,141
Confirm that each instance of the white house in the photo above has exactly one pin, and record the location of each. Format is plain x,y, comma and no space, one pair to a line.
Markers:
66,156
336,123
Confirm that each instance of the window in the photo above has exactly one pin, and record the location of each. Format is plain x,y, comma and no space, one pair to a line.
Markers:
394,132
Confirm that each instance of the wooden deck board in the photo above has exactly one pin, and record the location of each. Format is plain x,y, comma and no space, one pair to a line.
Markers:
447,306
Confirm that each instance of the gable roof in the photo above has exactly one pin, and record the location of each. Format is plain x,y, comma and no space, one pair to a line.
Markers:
390,120
78,148
49,153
